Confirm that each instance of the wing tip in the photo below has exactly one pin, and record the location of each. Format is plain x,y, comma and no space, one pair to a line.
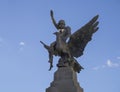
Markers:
96,17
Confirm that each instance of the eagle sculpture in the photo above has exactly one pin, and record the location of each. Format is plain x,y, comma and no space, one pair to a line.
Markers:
74,47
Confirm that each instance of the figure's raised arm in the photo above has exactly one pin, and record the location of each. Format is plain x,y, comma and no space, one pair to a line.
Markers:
53,20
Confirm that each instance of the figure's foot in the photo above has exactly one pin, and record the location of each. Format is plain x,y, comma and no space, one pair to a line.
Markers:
50,67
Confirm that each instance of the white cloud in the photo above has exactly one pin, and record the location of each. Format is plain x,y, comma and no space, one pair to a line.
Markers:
111,64
118,57
103,66
99,67
22,43
96,68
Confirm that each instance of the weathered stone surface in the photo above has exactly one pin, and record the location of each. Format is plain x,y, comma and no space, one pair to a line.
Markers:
65,80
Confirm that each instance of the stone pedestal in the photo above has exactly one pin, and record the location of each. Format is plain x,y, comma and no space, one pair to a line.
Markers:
65,80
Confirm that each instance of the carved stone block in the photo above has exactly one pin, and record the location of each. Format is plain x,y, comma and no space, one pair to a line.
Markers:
65,80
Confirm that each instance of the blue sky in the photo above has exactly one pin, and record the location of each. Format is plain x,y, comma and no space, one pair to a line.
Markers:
23,60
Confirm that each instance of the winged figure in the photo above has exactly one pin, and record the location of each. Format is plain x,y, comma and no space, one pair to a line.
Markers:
74,47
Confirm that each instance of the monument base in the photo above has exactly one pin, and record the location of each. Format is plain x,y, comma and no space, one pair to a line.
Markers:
65,80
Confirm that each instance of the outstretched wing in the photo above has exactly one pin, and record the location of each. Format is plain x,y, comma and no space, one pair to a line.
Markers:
82,36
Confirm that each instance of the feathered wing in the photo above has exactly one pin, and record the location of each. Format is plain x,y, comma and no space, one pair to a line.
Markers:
82,36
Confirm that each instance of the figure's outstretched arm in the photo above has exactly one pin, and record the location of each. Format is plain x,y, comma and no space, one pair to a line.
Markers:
53,20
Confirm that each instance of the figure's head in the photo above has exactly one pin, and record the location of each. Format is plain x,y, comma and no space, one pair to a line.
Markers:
61,24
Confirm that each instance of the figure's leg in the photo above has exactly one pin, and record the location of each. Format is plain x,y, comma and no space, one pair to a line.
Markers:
50,54
50,60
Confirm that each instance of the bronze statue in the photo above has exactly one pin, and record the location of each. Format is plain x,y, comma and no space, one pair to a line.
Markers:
74,47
